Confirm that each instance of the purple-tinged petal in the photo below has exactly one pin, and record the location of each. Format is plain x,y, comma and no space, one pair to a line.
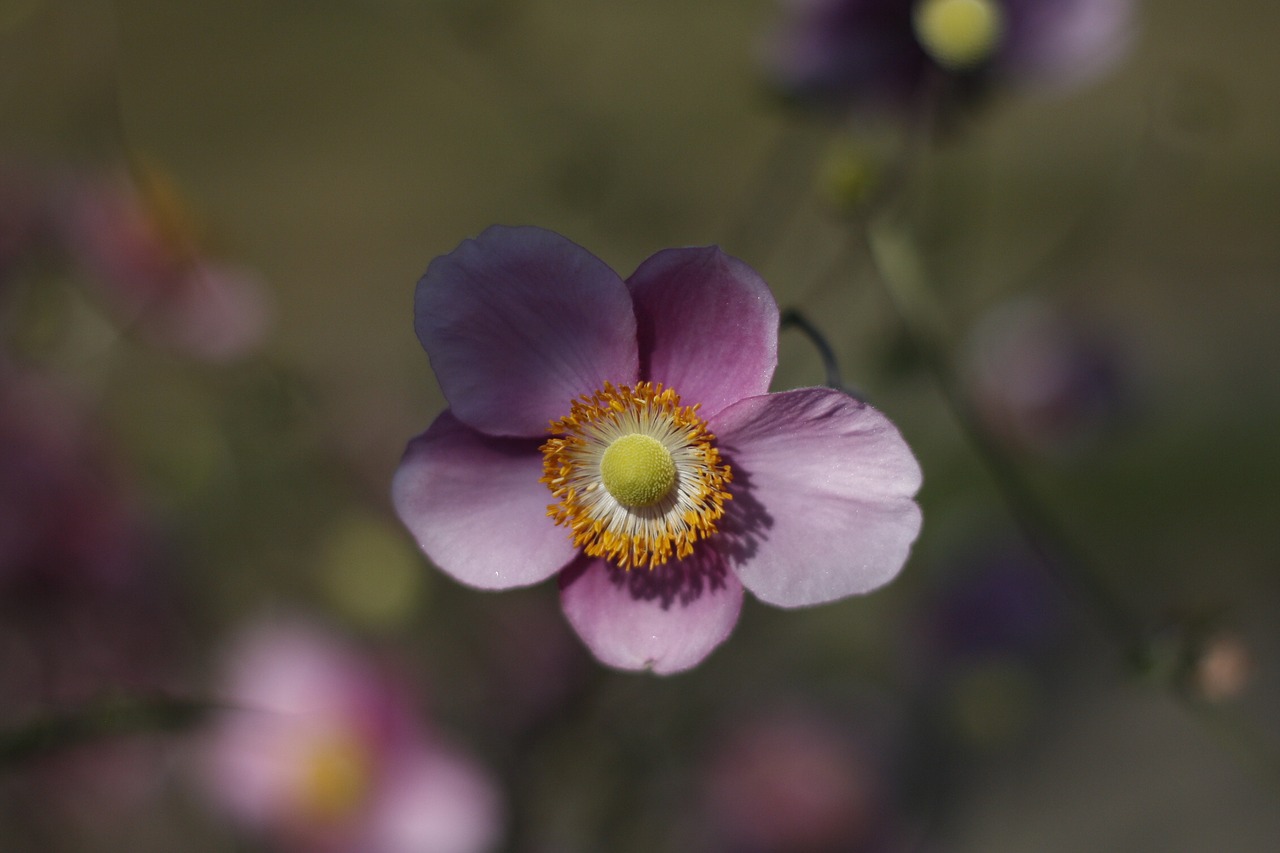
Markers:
836,51
1064,42
520,321
823,488
666,619
476,507
708,326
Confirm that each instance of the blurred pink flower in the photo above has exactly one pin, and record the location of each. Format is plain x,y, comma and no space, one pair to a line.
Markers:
23,218
680,479
67,515
794,781
1043,379
142,252
319,751
997,601
83,614
902,53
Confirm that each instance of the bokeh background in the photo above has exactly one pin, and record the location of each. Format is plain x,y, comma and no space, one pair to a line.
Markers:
331,150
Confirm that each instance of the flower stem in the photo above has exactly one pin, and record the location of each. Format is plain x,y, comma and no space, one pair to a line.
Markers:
778,190
101,718
1069,565
793,318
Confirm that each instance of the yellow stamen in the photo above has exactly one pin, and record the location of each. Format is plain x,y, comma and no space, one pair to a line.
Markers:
638,477
959,33
335,777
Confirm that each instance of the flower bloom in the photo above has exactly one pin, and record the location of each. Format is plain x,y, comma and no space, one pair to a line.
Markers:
141,250
998,603
899,52
23,220
620,434
1044,379
84,609
69,520
794,779
320,752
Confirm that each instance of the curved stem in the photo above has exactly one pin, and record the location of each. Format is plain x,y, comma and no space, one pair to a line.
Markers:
793,318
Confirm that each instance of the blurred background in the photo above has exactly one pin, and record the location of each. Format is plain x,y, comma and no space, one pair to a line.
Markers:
212,218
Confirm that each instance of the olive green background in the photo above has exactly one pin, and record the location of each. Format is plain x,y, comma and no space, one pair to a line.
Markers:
338,147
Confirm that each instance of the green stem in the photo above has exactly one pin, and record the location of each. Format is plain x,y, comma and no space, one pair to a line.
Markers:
1070,566
793,318
100,718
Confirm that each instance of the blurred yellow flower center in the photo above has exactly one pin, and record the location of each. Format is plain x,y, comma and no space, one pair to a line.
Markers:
637,470
335,777
959,33
637,476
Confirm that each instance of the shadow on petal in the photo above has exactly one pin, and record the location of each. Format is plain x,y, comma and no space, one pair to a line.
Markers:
668,618
679,581
746,522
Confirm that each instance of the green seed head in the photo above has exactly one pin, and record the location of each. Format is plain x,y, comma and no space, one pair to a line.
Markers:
959,33
637,470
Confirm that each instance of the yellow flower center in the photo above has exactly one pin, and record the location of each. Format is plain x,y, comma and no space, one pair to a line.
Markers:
637,476
638,470
959,33
335,777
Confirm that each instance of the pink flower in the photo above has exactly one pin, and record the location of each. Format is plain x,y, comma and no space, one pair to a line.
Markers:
619,434
143,254
794,780
902,53
85,611
1044,379
322,753
69,520
23,219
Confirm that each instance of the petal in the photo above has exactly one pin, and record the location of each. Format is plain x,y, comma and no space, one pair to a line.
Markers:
708,326
822,496
246,767
834,50
476,507
216,312
665,619
1067,42
520,321
434,800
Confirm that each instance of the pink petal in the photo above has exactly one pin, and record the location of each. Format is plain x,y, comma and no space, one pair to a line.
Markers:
437,800
520,321
286,683
216,312
248,767
1067,42
708,326
665,619
823,488
476,507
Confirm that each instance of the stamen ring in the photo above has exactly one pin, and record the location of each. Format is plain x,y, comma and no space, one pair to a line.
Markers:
638,477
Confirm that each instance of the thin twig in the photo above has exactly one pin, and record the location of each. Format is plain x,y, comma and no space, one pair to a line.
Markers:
1068,563
792,318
